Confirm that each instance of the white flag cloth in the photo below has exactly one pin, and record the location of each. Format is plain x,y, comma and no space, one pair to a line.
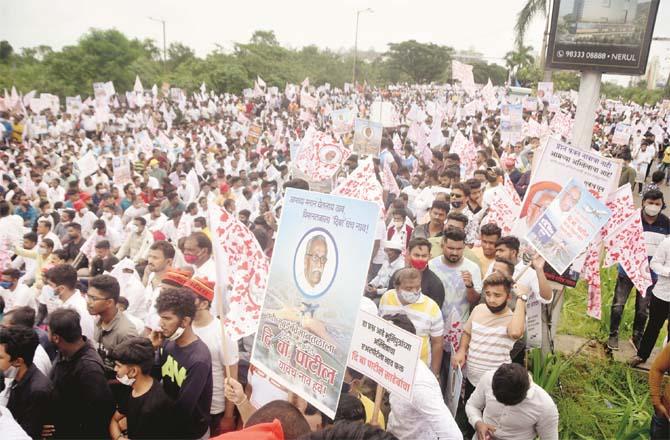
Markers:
241,272
137,88
260,82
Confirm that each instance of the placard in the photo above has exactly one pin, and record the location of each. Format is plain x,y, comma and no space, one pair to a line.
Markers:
367,137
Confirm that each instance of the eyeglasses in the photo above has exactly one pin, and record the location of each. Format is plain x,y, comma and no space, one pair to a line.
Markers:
91,298
316,259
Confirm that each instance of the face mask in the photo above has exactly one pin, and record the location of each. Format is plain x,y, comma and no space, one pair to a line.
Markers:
126,380
42,251
11,372
6,284
196,229
346,387
83,211
190,259
456,204
408,297
652,210
418,264
398,225
107,215
497,309
177,334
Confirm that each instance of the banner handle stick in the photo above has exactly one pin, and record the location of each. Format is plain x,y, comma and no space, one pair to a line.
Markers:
516,278
379,394
224,338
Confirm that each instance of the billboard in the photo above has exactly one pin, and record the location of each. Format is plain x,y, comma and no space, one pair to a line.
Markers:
610,36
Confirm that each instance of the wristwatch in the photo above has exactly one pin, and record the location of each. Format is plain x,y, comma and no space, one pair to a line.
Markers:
469,286
523,297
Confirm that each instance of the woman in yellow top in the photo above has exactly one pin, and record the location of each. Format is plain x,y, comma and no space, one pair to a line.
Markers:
17,129
44,256
666,164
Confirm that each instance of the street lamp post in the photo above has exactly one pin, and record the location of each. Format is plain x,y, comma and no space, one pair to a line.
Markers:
353,75
164,42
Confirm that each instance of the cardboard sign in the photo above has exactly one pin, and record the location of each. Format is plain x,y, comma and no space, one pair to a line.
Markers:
367,137
314,288
385,353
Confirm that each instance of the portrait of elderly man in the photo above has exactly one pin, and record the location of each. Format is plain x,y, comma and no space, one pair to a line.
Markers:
539,203
570,198
316,256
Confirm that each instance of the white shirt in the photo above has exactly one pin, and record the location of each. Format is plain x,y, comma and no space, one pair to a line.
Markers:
381,281
78,303
42,361
20,297
660,263
412,194
535,416
10,428
425,417
212,336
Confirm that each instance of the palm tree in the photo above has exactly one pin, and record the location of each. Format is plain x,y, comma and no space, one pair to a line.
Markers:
532,9
519,58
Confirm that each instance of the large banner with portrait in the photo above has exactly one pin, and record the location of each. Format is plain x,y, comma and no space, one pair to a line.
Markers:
568,225
316,280
553,166
367,136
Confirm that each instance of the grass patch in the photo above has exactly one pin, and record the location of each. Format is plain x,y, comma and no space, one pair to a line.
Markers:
575,321
601,398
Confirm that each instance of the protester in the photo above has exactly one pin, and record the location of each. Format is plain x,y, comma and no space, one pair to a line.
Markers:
656,227
148,412
31,391
425,416
185,363
660,397
507,404
83,403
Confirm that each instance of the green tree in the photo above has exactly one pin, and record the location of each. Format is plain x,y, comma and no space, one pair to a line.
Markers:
531,10
518,59
179,53
421,62
6,51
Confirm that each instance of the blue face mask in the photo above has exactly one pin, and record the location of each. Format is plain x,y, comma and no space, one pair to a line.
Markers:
6,284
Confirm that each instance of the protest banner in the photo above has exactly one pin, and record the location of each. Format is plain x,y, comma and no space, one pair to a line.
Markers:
314,288
367,137
254,134
40,125
342,120
320,156
385,113
87,164
511,123
99,90
73,105
175,93
568,225
385,353
454,384
121,167
554,104
555,164
109,89
622,134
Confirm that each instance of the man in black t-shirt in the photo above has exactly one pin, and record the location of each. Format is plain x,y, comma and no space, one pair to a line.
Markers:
148,411
185,362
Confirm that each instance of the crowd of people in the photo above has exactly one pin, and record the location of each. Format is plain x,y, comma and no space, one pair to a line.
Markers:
110,327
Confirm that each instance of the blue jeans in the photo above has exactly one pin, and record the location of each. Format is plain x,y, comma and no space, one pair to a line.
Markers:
660,428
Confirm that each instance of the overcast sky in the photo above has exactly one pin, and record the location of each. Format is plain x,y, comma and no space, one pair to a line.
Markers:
486,25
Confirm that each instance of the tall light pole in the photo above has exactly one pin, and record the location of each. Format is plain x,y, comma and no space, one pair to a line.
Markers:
164,43
353,75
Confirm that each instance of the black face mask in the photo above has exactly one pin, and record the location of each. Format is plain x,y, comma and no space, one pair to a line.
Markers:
456,204
346,387
497,309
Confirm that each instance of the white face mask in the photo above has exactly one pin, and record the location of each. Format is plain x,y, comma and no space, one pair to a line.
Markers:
652,210
126,380
398,225
42,251
408,297
177,334
107,215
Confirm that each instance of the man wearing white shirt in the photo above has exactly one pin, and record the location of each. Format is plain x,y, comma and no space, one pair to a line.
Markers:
44,231
224,353
412,192
15,293
507,405
425,416
156,220
62,281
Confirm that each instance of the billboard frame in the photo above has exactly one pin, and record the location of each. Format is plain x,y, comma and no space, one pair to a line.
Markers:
596,65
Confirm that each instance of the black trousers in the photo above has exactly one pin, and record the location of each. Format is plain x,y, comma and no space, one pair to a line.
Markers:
659,312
